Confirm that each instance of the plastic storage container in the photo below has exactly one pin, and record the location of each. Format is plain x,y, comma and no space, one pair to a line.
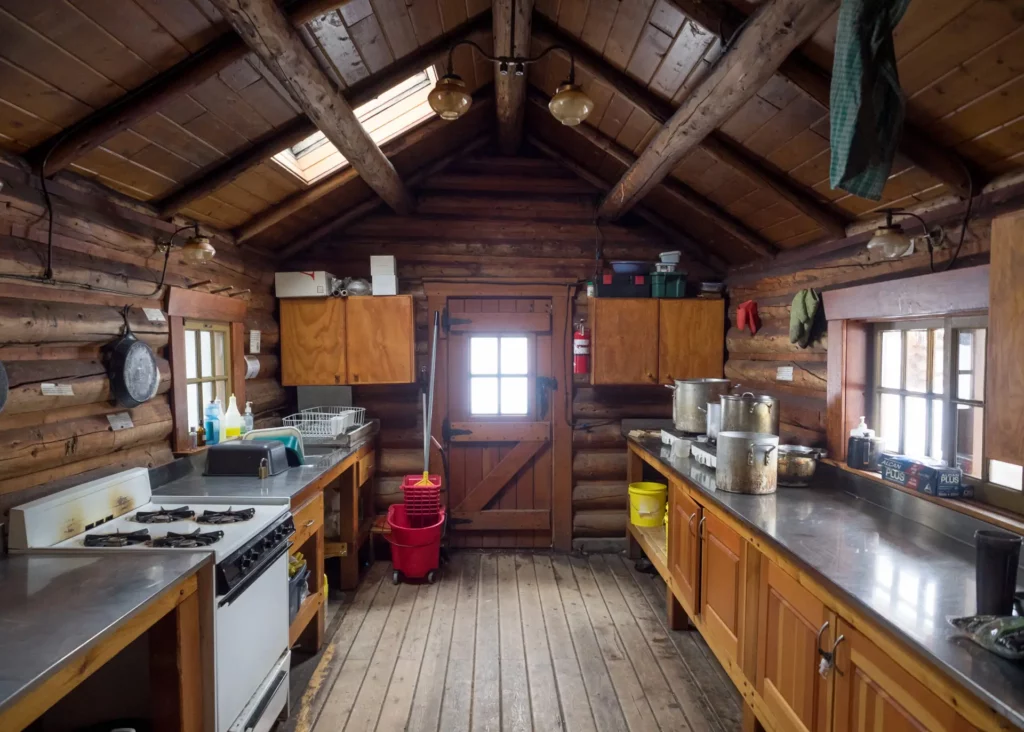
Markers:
298,589
415,550
668,284
647,503
610,284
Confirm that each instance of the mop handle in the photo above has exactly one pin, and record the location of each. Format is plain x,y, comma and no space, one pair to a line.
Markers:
430,402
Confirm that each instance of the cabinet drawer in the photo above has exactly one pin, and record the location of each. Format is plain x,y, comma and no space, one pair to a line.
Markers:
365,467
308,518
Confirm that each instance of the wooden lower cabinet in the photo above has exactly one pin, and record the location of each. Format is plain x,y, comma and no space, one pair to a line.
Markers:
790,620
721,580
683,547
873,692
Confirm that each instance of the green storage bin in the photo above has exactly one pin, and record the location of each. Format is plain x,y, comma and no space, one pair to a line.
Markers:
668,284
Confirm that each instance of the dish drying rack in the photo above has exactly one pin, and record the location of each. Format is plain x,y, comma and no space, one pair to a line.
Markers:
319,425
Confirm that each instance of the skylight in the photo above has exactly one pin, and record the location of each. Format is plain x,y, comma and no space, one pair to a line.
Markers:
400,108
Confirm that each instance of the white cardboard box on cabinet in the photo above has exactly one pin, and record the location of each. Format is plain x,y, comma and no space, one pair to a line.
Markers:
382,265
385,285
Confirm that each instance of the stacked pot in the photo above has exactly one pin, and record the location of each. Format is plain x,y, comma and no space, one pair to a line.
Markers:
748,442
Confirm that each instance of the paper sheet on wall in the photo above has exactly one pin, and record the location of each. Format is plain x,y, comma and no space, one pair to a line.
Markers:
254,341
57,389
784,373
252,367
154,315
120,421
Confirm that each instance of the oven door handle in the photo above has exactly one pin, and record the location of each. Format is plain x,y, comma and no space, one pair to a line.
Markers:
238,589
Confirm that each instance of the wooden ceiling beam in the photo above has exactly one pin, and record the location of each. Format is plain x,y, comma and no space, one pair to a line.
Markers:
89,133
268,32
774,31
716,144
207,181
307,239
681,194
511,21
945,165
675,237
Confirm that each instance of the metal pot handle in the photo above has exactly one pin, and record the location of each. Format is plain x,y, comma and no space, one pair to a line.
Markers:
702,409
670,386
746,393
767,452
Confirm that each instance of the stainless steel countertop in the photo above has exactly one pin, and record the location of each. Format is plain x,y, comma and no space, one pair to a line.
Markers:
283,485
55,607
902,574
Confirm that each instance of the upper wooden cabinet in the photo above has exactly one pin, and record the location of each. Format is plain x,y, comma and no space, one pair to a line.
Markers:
651,341
380,334
791,624
624,340
1004,408
691,339
355,340
313,341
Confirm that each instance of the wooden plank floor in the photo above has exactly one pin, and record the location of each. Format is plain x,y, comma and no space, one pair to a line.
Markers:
515,641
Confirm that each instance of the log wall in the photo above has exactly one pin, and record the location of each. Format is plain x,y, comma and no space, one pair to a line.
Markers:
105,257
503,218
753,360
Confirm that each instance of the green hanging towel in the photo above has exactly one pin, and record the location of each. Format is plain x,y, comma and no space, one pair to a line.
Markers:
801,317
867,104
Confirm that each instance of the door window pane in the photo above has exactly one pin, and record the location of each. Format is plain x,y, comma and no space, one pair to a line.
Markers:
483,394
969,422
917,361
889,424
483,356
892,349
1006,474
514,399
915,428
514,356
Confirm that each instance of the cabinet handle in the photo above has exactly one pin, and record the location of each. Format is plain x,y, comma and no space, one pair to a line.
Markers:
817,641
310,523
689,522
700,527
828,659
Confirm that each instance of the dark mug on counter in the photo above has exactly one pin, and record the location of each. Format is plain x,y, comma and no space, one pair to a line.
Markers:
863,453
997,555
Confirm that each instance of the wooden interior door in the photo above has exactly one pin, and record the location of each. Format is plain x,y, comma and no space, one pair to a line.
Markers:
683,548
792,624
499,421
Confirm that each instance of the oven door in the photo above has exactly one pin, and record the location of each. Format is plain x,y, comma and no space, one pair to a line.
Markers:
251,634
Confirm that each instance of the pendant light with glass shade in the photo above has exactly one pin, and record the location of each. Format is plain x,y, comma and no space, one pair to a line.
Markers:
893,241
197,249
450,99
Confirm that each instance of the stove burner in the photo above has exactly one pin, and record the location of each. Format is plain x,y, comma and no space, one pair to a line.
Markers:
194,540
164,515
226,517
117,538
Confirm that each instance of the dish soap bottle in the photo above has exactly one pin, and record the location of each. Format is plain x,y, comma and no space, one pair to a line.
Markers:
232,421
247,420
212,422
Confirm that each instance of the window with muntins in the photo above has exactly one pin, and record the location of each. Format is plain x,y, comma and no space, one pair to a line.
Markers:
499,370
207,366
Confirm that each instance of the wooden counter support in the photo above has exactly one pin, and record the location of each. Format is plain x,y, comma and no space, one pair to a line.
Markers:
768,623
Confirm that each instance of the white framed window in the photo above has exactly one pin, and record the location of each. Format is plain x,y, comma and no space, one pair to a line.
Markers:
207,366
929,400
499,375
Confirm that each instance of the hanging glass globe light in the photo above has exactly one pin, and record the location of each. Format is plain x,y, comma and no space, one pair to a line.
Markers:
449,97
570,105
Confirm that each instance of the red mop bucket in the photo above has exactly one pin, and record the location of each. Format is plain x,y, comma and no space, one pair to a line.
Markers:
415,550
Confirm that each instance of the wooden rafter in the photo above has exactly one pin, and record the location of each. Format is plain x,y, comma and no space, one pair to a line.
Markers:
679,193
945,165
207,181
760,47
685,243
307,239
512,22
268,32
716,144
64,147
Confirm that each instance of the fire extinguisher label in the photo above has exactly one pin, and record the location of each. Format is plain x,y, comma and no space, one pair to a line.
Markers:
580,348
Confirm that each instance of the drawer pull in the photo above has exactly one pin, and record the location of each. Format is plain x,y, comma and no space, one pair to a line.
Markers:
310,523
700,527
689,523
828,659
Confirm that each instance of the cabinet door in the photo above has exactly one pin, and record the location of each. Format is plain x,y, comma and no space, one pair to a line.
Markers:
790,619
624,340
313,341
873,692
691,339
720,586
380,337
1004,417
683,548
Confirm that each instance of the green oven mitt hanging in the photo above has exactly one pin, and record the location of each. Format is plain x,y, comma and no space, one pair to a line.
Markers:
801,317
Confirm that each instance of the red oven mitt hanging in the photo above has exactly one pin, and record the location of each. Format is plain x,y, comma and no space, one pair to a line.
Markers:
746,315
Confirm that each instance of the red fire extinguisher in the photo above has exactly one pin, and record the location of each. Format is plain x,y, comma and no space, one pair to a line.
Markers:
581,348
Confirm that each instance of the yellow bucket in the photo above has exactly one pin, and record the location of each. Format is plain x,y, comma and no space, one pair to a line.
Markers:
647,503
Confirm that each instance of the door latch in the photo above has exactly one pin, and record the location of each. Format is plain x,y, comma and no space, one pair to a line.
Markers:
447,321
545,385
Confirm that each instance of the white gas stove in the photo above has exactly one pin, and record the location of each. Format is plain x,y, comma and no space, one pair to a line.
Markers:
250,546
